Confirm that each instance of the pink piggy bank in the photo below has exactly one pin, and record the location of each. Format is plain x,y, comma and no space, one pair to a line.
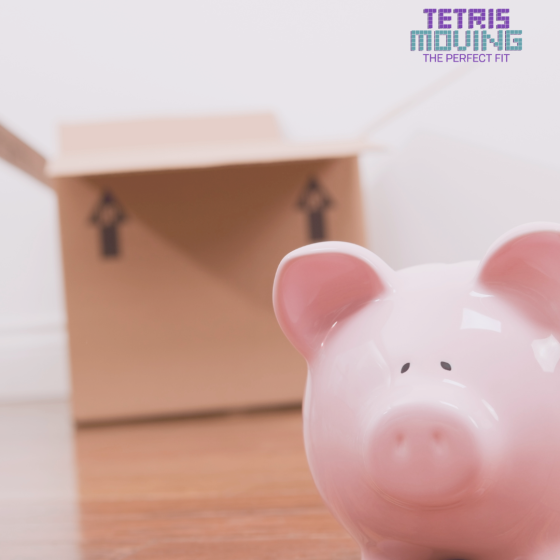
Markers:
432,407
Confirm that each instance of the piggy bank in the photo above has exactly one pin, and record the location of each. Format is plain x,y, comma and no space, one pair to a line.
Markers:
432,406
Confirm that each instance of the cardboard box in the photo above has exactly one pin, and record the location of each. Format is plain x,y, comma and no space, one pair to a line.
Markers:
171,233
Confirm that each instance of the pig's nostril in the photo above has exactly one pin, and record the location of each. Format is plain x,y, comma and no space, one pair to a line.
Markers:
405,367
439,448
401,449
445,366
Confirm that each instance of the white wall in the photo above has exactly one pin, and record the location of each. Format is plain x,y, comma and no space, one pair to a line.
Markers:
439,199
33,362
476,159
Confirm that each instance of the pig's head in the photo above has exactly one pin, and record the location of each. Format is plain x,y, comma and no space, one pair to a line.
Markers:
432,408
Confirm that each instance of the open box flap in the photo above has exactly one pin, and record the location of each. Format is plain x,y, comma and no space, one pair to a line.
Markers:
155,145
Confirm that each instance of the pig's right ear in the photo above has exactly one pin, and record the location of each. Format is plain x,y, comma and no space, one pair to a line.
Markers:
319,284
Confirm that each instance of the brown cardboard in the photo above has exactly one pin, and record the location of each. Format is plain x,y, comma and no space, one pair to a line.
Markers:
169,308
21,155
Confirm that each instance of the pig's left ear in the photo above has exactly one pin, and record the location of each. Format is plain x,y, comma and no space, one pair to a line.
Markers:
526,261
319,284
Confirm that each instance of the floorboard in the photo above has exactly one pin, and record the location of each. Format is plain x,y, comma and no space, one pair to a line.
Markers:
235,487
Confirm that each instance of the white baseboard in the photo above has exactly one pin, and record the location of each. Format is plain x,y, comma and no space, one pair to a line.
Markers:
33,360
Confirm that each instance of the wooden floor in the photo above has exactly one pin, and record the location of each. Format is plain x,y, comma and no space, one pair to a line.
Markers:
230,487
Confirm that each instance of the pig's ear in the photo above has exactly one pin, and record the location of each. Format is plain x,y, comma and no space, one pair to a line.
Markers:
526,261
319,284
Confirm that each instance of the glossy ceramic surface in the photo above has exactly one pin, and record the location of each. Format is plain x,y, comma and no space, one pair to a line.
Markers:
432,409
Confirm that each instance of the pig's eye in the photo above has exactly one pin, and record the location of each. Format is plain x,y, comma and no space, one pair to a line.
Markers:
405,368
446,366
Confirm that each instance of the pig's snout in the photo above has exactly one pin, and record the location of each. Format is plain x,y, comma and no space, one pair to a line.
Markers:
425,455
